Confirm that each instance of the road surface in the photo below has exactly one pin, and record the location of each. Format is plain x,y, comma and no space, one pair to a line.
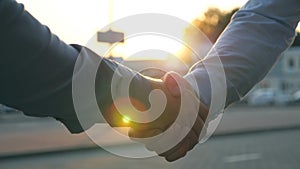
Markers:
264,150
248,137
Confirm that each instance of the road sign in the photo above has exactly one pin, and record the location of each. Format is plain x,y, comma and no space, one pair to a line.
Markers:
110,36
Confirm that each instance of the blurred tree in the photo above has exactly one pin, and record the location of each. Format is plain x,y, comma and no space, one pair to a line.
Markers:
213,22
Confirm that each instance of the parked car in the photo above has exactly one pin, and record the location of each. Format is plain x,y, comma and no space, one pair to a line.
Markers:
268,96
296,98
5,109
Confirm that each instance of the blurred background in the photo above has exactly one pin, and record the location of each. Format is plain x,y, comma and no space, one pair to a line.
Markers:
262,131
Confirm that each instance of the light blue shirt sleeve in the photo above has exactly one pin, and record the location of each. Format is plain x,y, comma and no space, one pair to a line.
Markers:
248,48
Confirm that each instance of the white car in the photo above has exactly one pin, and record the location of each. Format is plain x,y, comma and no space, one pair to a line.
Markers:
296,97
268,96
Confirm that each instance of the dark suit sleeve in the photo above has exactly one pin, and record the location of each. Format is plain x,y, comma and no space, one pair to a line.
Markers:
36,68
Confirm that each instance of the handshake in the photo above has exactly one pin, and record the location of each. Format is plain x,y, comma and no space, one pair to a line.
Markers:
172,125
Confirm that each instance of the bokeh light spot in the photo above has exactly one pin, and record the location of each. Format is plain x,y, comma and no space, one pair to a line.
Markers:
126,119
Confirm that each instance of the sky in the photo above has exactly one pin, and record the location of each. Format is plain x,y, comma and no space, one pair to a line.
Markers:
76,21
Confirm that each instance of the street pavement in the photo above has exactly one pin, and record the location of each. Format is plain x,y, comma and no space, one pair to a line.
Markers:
247,137
277,149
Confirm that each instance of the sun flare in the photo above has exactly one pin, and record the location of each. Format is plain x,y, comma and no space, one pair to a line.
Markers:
78,21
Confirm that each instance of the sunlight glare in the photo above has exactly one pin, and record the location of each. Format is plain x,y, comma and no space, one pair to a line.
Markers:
126,119
78,21
145,42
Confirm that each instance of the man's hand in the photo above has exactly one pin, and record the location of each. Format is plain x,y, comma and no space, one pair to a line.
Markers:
176,89
115,116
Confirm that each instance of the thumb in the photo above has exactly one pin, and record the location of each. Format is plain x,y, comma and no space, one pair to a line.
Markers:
172,81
